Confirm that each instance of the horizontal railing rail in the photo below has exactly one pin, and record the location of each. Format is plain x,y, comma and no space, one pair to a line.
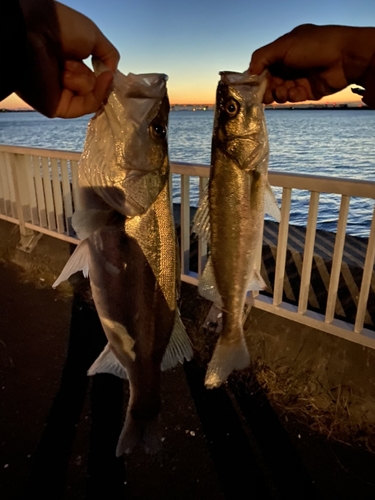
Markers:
38,191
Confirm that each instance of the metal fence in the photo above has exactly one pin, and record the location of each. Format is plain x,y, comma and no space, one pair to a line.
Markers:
38,191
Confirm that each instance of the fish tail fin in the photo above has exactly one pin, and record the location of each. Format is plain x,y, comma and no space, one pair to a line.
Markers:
78,261
135,432
229,354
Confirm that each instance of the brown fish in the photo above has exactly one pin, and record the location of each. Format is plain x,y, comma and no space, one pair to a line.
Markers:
131,258
231,217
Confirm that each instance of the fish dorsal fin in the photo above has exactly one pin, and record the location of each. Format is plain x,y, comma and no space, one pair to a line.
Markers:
79,261
179,347
207,286
201,221
270,204
107,363
256,282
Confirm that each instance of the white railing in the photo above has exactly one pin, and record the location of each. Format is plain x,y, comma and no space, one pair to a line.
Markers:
38,191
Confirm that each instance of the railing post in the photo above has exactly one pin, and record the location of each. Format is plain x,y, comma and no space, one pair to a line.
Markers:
28,238
308,253
185,225
337,259
366,279
282,245
202,244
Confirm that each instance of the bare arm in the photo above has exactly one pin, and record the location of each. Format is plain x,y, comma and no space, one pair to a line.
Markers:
313,61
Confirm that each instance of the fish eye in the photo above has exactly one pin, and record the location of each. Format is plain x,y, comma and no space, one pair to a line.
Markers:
231,107
158,131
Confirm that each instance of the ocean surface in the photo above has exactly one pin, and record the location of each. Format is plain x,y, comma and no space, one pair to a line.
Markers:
336,143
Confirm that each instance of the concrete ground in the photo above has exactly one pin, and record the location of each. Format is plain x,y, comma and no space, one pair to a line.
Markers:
59,428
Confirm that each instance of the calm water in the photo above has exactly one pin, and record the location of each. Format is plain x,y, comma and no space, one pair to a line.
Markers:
322,142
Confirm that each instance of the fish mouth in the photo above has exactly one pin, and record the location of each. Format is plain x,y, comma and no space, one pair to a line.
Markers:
235,78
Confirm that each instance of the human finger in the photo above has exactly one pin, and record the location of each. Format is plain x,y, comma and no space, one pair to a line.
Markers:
297,94
73,105
106,52
77,67
281,94
78,83
268,96
78,78
81,38
269,54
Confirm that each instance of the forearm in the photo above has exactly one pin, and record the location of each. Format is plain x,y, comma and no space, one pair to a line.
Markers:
13,44
359,61
358,53
369,85
40,84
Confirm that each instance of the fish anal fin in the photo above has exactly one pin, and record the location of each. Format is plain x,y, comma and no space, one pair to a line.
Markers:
256,282
78,261
207,286
271,206
179,347
201,221
107,363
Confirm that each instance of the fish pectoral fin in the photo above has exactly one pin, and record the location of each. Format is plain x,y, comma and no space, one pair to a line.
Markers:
179,347
201,221
256,282
207,286
79,261
271,206
107,363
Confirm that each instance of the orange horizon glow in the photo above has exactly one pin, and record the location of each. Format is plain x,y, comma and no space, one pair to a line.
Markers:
346,96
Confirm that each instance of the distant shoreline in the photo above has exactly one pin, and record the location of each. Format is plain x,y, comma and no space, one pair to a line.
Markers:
197,108
318,108
4,110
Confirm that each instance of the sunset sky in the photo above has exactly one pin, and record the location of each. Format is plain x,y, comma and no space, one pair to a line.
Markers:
192,40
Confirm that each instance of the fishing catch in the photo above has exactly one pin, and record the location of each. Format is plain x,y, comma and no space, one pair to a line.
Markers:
231,215
128,248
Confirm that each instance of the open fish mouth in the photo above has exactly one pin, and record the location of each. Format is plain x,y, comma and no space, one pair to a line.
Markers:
235,78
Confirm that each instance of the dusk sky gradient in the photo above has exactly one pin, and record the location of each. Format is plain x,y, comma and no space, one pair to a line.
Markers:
192,40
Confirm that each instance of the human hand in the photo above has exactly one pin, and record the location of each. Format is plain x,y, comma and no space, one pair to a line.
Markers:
83,92
313,61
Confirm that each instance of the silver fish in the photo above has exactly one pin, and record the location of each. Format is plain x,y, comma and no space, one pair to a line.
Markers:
125,158
231,217
131,260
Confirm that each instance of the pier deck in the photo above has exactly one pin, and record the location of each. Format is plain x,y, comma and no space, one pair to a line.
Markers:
354,254
57,423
